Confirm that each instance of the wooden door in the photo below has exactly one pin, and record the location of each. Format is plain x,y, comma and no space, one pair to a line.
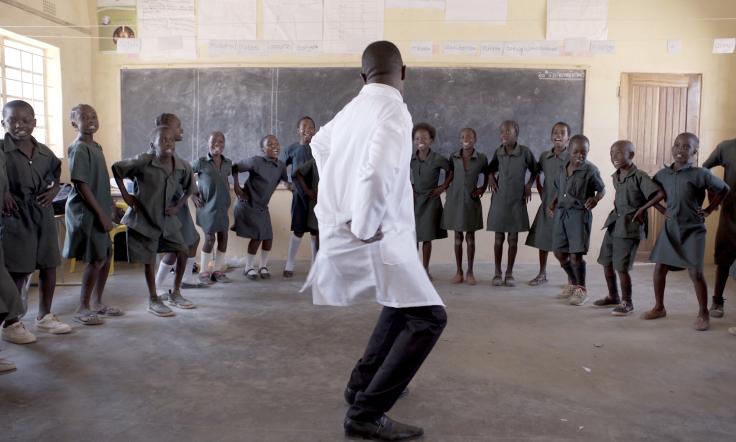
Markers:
654,109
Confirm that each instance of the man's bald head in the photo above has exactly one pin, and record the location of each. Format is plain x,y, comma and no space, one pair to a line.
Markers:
382,63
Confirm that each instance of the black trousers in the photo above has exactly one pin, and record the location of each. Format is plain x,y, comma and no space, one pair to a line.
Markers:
401,341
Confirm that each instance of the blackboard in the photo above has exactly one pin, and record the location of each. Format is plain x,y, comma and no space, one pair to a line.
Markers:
248,103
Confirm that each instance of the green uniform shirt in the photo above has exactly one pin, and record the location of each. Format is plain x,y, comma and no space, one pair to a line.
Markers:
464,212
549,164
572,191
632,191
428,210
10,302
155,188
214,189
508,208
725,155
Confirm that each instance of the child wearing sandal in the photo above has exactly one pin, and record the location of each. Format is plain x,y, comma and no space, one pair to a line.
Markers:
549,166
578,190
625,226
252,219
426,165
463,211
212,199
511,193
681,243
88,216
153,226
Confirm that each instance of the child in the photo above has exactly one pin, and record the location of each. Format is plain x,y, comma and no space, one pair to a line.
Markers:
307,177
625,226
188,231
463,212
681,243
29,228
550,165
578,189
426,165
212,199
725,253
88,216
252,219
294,156
507,213
153,225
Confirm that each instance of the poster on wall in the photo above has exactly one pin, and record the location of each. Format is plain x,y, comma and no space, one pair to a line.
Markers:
116,20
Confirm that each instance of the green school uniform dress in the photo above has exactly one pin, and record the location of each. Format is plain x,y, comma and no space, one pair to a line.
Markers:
428,210
508,208
150,230
464,212
188,231
549,164
725,155
296,155
623,234
309,171
214,189
86,240
252,219
30,237
681,243
572,221
10,302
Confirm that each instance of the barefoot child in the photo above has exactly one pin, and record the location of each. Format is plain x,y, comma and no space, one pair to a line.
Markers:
252,219
307,177
29,228
463,212
426,165
188,231
88,216
295,155
511,193
681,243
550,165
212,199
153,226
578,189
725,253
625,226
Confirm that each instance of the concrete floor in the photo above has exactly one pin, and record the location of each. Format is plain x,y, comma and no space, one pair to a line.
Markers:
257,362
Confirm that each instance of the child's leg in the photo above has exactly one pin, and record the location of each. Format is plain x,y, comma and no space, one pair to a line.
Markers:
294,242
206,256
89,281
458,258
250,258
426,254
541,277
564,259
470,241
659,278
701,292
167,263
221,251
613,297
625,278
150,281
103,273
181,267
498,252
578,268
722,271
47,286
513,240
190,259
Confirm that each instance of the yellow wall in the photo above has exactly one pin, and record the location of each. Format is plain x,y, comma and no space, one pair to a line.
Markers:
640,29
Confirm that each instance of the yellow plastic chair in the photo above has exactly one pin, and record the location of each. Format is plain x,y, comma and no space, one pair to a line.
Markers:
119,228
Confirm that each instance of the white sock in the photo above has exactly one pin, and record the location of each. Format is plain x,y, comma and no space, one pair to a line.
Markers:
264,258
313,244
204,261
249,259
188,275
219,261
293,249
164,270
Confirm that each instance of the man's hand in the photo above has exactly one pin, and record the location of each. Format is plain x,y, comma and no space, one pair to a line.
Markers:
377,237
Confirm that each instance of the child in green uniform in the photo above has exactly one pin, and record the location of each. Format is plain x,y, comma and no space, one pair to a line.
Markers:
212,199
549,165
252,219
29,228
463,211
88,216
153,226
426,165
307,177
625,226
681,243
578,189
188,231
511,193
725,252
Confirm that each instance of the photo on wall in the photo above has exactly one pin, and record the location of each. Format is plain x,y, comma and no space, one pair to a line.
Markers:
116,20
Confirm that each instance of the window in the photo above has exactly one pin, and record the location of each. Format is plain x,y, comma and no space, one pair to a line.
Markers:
24,75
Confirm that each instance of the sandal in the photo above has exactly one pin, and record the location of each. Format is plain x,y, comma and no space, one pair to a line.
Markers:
264,273
538,280
220,277
89,318
175,299
509,281
497,281
251,274
110,311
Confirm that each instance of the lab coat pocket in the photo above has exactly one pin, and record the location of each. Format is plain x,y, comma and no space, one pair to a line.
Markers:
398,247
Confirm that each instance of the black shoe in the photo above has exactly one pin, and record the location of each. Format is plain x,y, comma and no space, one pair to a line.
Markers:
716,311
608,301
384,428
350,394
623,309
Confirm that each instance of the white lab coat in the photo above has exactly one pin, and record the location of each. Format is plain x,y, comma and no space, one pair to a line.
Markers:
363,158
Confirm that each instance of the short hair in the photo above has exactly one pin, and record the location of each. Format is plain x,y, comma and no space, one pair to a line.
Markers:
513,124
216,132
691,136
381,58
158,129
475,135
18,104
165,118
77,110
580,138
563,124
263,140
306,117
424,126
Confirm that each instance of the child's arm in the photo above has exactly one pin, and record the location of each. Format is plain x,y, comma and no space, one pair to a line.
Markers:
551,208
449,175
311,194
533,168
119,171
528,187
47,197
538,180
479,191
639,214
91,201
714,203
491,174
196,196
600,190
242,166
187,185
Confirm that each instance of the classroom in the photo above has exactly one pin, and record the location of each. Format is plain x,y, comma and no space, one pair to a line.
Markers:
173,137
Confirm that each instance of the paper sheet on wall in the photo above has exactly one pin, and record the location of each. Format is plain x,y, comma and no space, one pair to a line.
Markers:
227,19
577,19
167,28
128,46
416,4
294,20
465,48
492,11
422,49
350,25
724,45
